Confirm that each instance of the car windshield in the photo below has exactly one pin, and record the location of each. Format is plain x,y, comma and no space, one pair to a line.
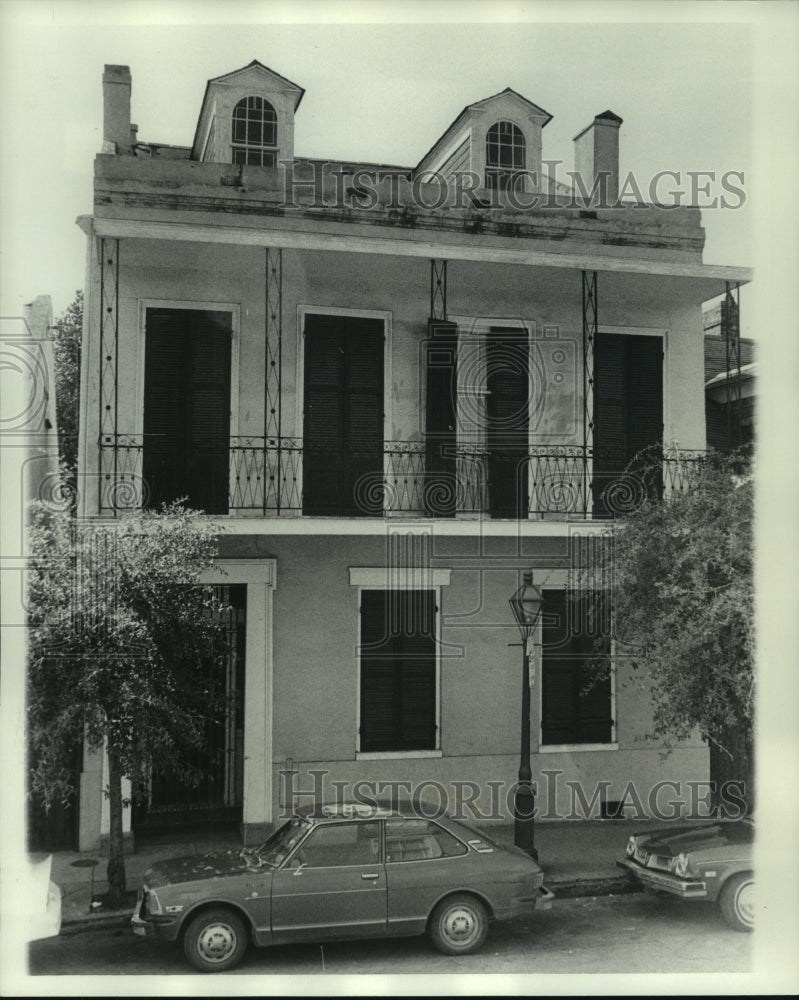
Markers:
277,848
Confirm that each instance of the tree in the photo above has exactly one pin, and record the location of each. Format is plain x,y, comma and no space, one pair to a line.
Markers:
124,650
66,357
683,609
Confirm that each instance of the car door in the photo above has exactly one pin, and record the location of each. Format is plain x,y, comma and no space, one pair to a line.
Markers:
333,886
423,862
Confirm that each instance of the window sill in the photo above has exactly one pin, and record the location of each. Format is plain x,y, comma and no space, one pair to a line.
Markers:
397,754
576,747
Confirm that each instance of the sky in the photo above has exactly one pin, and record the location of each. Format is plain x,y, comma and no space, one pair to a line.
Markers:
376,89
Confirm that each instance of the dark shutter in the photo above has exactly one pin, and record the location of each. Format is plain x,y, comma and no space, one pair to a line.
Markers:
441,348
398,670
508,414
628,418
572,712
187,407
343,423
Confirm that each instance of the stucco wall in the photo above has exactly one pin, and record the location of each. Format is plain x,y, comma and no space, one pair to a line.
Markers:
315,685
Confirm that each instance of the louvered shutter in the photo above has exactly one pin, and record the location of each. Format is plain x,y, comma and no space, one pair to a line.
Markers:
343,422
324,433
628,412
187,407
441,349
569,713
210,424
398,670
166,409
364,416
508,413
645,408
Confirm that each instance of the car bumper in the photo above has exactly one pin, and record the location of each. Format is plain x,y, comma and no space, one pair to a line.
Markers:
664,882
545,899
163,928
520,906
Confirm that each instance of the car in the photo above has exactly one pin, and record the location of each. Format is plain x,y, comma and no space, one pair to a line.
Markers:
340,872
708,860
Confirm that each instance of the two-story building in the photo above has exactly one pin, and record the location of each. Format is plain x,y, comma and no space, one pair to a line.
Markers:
395,389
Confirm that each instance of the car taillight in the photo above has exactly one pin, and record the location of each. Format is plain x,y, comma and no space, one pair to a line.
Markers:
681,866
631,845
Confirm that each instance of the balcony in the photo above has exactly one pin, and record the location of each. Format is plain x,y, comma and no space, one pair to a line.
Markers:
265,476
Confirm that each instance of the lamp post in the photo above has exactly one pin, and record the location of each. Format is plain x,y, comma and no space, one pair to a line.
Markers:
526,606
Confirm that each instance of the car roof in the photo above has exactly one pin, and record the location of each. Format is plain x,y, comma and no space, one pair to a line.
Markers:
321,811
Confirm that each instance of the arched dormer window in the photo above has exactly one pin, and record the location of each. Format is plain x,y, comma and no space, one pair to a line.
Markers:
505,154
254,132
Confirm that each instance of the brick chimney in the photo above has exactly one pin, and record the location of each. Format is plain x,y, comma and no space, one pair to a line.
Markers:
116,110
596,157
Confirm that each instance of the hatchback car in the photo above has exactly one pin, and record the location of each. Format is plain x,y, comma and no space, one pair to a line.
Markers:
704,861
340,872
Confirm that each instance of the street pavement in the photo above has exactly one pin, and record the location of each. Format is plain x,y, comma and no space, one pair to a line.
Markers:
636,934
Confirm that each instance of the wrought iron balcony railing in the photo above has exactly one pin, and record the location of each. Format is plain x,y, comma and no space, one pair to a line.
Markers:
270,476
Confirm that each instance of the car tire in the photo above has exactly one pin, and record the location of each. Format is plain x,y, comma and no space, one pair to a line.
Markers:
215,940
737,901
458,925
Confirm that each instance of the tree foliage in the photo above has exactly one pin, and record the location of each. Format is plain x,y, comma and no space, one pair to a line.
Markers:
124,649
66,358
683,603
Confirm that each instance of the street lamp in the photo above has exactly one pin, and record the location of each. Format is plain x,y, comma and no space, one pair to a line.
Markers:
526,606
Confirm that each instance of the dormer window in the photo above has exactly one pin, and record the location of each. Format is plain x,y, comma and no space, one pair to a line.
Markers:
505,154
254,132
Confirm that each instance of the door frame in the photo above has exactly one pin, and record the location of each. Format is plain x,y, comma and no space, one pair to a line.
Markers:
260,576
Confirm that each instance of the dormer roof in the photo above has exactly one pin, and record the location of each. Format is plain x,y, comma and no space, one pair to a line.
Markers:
531,109
260,76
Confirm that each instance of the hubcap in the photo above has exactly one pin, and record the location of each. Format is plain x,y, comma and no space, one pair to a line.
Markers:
746,902
216,942
460,925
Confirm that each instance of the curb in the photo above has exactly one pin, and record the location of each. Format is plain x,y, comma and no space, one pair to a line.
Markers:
108,922
572,889
608,886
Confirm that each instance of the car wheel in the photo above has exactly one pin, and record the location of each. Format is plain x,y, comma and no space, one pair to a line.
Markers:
215,940
458,925
737,901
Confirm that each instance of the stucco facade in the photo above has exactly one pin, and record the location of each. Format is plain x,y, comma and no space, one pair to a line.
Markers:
278,251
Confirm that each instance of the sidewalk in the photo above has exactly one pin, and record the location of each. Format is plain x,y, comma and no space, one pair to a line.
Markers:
578,859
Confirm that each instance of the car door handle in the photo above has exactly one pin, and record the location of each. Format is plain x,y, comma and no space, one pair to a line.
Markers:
368,875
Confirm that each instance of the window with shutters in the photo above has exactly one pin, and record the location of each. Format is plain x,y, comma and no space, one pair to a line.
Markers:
574,632
187,385
343,415
628,420
254,132
398,670
505,154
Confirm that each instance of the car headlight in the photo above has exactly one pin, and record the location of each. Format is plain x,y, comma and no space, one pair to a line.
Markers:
681,866
632,843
